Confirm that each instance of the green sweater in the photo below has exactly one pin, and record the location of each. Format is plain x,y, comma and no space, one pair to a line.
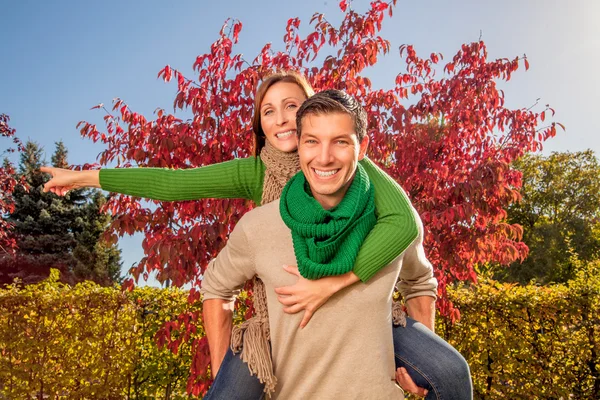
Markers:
243,178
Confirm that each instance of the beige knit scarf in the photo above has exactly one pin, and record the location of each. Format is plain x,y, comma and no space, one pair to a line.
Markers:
252,337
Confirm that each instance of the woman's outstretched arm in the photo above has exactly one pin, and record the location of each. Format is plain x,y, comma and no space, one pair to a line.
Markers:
240,178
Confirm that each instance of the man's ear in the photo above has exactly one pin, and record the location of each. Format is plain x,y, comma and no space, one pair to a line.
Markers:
363,147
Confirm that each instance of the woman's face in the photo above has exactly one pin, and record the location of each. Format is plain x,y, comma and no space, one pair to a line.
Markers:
278,115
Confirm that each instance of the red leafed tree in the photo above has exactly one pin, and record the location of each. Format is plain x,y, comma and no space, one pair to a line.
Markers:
7,186
446,138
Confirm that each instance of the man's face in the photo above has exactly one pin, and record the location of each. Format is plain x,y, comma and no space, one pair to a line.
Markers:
329,152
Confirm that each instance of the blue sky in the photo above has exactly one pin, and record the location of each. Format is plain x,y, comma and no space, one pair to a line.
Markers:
61,58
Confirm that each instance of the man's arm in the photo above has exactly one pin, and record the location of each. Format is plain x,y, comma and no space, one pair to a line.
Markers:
418,285
218,316
422,309
223,278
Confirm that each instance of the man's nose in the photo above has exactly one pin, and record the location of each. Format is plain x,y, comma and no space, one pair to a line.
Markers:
325,154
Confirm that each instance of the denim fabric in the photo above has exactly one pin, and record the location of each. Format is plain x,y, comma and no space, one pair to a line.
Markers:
233,381
431,362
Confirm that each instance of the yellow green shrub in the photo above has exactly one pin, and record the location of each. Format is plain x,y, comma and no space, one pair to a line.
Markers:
530,342
89,342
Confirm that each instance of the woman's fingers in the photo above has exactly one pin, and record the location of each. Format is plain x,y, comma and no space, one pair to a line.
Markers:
284,290
287,300
307,316
407,383
48,170
292,269
296,308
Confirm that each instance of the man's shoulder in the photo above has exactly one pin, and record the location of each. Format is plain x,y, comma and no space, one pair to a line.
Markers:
267,214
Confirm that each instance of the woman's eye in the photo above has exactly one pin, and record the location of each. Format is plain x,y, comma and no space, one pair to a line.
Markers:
292,106
268,112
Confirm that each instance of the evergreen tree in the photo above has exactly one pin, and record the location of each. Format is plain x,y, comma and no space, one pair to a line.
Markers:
57,232
96,259
59,158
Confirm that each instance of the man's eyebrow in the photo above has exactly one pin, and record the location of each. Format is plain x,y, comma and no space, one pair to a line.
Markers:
340,136
348,134
345,136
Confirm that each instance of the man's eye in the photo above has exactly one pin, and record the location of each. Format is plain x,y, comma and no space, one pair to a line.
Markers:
343,142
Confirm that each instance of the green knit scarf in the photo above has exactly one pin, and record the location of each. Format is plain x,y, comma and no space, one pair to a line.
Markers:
326,242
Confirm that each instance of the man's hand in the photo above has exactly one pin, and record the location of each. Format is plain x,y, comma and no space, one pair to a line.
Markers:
64,180
407,384
309,295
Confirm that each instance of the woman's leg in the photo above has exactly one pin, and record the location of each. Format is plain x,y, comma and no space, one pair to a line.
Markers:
432,363
233,381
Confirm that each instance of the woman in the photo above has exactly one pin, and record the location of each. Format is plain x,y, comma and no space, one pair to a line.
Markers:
261,179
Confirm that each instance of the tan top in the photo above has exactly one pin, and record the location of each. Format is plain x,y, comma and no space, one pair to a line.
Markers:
346,350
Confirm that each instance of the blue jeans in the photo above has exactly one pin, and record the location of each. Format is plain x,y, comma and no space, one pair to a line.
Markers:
430,361
233,381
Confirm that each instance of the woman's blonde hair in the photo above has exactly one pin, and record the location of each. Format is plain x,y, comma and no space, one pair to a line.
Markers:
270,80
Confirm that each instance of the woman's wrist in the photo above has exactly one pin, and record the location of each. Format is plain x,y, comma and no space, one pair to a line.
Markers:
343,281
89,178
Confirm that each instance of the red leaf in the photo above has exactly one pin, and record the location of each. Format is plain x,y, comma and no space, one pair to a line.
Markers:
237,27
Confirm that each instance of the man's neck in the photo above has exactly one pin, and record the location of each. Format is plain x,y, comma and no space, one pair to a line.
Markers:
327,203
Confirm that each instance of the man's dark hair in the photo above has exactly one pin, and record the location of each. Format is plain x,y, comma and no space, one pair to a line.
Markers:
334,101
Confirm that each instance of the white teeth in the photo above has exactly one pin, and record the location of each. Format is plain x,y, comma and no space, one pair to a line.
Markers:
325,174
284,135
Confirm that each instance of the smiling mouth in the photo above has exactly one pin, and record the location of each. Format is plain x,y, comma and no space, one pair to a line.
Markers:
325,174
285,135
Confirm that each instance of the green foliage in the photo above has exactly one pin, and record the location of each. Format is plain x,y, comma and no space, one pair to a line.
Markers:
89,341
59,158
559,213
530,342
57,232
96,259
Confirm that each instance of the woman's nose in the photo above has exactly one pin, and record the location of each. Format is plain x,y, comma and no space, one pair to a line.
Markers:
282,118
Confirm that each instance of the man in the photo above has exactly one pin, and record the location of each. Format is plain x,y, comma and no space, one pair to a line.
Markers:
346,351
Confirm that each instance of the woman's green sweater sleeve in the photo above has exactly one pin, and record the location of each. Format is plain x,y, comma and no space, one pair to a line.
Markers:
396,227
236,179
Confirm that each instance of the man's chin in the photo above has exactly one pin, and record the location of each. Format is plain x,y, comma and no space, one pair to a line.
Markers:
322,190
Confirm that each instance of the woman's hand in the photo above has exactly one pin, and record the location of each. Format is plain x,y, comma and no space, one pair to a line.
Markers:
64,180
309,295
407,384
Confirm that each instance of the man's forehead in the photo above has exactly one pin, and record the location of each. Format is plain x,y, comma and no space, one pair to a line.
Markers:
338,122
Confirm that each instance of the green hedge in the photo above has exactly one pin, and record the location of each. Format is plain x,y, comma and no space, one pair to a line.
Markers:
89,342
56,341
530,342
